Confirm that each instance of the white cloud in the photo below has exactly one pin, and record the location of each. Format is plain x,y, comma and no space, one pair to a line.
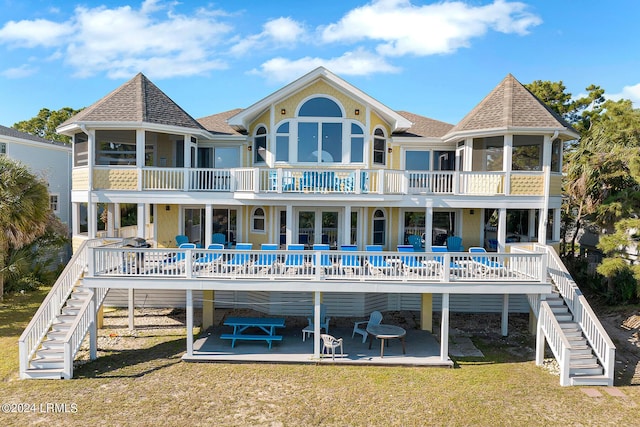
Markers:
19,72
628,92
122,41
402,28
280,32
357,63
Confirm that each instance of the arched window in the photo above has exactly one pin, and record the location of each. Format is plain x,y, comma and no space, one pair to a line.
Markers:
257,221
357,144
320,107
260,145
282,143
379,147
379,227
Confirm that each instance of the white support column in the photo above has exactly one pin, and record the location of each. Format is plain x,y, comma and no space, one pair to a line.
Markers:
532,224
140,156
540,343
93,327
505,315
546,168
75,221
110,217
92,219
131,305
428,226
502,229
347,226
189,322
363,222
289,224
141,220
208,224
507,162
117,216
316,325
444,329
556,224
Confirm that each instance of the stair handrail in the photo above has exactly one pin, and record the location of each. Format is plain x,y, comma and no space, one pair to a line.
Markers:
558,342
601,344
51,306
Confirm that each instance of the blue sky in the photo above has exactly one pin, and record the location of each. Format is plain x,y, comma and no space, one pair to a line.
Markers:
437,59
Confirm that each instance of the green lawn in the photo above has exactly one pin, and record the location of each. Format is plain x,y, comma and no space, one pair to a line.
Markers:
154,387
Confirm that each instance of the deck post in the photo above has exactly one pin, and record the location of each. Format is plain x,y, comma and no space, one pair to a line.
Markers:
93,330
316,324
426,313
540,342
131,309
444,329
505,315
189,322
208,309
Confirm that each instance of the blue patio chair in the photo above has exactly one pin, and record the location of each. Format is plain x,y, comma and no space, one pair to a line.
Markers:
325,260
177,261
485,264
411,263
236,263
208,260
454,244
493,245
324,320
350,263
266,261
303,239
376,263
453,266
415,241
219,238
294,263
180,239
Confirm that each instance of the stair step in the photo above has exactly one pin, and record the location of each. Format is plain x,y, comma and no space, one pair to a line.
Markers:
53,344
50,353
70,311
74,303
65,318
48,363
583,380
585,369
582,358
45,374
563,317
62,326
56,335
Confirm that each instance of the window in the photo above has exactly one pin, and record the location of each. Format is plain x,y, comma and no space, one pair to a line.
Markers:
260,145
379,147
444,160
257,223
3,148
117,147
53,202
282,143
80,149
417,160
357,144
488,153
527,153
556,156
379,227
320,107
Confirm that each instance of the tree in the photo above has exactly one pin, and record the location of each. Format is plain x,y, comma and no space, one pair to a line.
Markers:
24,209
45,123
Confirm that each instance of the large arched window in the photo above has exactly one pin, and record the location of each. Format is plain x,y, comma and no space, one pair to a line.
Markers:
379,147
260,145
379,227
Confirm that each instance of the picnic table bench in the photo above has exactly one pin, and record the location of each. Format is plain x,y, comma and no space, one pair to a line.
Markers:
266,324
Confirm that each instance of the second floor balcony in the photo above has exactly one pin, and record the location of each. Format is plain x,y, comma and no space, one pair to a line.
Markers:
313,180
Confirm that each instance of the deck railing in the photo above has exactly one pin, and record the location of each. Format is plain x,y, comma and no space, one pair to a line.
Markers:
315,180
558,342
583,314
317,265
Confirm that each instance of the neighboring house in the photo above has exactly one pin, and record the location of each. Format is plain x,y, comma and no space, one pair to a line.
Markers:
319,162
50,160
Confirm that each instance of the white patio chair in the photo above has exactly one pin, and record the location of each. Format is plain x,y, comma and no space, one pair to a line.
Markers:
331,343
374,319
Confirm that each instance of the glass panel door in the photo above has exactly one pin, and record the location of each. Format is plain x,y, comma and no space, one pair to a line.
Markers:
306,228
330,229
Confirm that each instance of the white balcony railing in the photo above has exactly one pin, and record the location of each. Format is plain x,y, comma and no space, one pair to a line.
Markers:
317,265
313,180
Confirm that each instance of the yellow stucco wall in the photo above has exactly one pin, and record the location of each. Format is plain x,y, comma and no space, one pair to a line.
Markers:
555,185
471,228
167,225
80,179
527,184
118,179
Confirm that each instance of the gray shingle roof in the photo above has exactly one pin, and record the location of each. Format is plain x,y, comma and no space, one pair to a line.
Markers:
137,100
424,126
217,123
11,132
510,105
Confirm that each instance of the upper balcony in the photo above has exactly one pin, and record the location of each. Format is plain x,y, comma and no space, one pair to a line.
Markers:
313,180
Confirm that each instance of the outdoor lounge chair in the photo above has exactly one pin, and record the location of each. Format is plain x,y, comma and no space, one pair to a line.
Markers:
219,238
176,262
331,343
236,263
294,263
453,266
486,264
209,260
266,261
412,264
324,260
374,319
350,264
180,239
376,263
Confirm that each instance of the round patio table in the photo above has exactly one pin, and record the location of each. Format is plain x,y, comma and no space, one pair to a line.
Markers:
386,332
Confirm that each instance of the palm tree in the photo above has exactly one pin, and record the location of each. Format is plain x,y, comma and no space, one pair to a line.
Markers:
24,209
